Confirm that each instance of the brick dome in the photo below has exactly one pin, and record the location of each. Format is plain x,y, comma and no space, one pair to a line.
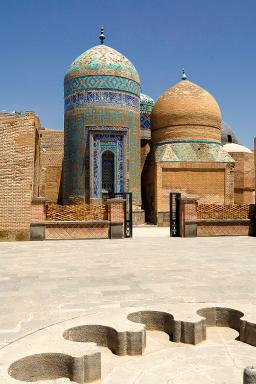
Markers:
186,112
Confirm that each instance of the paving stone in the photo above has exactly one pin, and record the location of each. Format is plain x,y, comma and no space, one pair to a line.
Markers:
52,282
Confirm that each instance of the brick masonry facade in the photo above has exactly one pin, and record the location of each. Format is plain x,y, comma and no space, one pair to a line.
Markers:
26,148
207,182
244,177
219,220
52,152
19,177
76,230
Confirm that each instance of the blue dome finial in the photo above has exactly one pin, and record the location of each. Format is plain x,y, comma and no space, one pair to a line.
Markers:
102,36
184,76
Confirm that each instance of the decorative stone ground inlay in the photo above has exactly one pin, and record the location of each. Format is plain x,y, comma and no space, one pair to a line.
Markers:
78,350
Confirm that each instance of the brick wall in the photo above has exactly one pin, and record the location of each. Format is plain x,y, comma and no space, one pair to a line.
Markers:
244,177
217,220
76,230
52,152
116,210
208,182
224,228
227,211
19,172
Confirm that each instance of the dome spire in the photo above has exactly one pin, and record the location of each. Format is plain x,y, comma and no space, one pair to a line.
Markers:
184,76
102,36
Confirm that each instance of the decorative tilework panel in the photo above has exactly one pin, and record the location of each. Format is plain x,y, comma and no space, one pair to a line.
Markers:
145,120
105,116
80,84
103,129
77,160
102,143
146,108
192,151
102,98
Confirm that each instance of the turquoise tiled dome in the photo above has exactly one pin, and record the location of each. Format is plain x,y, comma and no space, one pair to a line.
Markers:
102,60
146,100
146,103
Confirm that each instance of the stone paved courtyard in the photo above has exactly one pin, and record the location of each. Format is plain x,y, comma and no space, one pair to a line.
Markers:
44,283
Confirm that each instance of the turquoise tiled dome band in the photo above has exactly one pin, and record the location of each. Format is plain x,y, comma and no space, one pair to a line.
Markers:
80,84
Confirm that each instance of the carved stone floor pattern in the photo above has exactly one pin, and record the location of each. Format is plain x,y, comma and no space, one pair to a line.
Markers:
44,283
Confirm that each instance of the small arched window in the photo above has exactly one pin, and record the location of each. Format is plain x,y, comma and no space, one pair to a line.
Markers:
229,139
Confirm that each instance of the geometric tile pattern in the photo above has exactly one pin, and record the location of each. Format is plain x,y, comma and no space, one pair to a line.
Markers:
80,212
102,97
194,151
102,60
146,106
145,120
107,142
227,211
101,116
146,103
101,82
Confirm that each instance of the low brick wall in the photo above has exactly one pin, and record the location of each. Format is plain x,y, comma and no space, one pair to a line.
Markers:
224,227
91,225
217,220
69,230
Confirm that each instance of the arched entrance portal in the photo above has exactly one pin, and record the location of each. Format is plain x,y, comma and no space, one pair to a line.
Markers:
108,172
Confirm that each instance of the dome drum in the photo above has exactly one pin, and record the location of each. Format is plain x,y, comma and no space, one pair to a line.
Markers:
186,133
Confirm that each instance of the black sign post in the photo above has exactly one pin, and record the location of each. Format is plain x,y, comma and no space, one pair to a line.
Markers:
175,214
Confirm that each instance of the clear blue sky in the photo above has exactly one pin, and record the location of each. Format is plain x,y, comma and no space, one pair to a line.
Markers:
215,40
